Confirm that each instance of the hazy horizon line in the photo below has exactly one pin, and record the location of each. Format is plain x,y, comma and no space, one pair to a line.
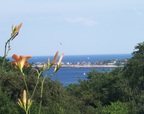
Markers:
81,54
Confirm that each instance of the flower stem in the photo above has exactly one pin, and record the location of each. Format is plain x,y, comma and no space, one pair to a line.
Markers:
41,95
27,112
36,85
6,51
24,78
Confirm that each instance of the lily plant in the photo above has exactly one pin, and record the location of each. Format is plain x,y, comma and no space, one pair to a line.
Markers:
20,62
15,32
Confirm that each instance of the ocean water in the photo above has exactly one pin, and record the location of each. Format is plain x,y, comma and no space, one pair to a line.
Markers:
82,58
71,75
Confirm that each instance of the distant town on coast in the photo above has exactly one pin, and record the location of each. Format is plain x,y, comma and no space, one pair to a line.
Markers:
99,64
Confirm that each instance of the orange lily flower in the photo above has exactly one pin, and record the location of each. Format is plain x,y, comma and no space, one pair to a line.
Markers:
20,61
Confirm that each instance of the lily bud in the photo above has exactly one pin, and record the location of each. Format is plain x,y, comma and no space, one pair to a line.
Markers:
48,64
44,67
24,98
20,103
29,103
59,64
15,31
57,67
61,57
54,59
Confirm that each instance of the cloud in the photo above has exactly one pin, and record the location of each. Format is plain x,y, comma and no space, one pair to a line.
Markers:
138,12
81,20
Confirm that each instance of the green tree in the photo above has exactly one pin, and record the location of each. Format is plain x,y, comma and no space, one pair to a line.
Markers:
7,106
116,108
99,90
133,73
134,69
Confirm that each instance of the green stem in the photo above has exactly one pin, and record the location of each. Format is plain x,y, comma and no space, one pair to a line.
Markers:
26,112
6,51
36,85
42,86
24,78
41,95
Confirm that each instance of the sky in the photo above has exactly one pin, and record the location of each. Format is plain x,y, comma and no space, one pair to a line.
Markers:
72,27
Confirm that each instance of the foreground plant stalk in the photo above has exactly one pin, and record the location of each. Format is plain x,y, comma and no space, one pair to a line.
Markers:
15,32
25,103
19,63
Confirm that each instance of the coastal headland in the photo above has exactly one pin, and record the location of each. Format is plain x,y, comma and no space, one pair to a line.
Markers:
85,66
100,64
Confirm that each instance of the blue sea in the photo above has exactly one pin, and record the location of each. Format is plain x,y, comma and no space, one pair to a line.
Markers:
71,75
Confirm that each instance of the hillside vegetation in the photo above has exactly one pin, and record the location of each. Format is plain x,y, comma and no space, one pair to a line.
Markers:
120,91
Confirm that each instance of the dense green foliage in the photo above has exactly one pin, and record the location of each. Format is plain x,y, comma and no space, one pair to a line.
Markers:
120,91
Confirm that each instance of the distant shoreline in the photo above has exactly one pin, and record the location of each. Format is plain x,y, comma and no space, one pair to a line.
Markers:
92,66
85,66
